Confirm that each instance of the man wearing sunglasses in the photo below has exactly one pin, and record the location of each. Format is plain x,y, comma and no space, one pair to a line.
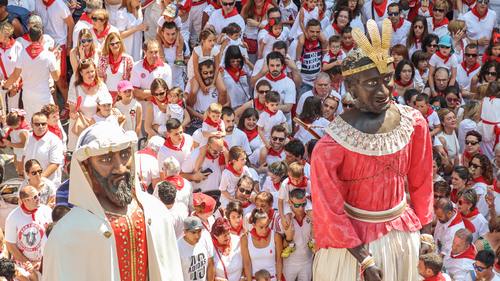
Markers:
469,68
25,229
221,18
400,25
480,22
276,152
85,21
483,266
438,23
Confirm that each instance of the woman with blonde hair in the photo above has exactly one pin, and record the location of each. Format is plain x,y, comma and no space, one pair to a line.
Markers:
114,64
447,141
458,30
85,49
468,120
156,109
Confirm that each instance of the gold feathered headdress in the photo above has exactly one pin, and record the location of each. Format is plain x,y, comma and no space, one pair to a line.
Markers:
377,51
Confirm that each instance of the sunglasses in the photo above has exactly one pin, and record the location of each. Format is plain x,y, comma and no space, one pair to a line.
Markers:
438,10
471,142
245,191
433,45
475,166
492,73
278,139
263,92
477,267
444,47
158,94
38,172
98,19
483,2
112,44
227,4
393,14
471,55
419,26
83,41
39,124
300,205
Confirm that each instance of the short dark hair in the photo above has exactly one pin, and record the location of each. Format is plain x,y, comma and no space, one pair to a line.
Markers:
298,193
274,55
462,172
172,124
296,148
394,4
272,10
278,45
445,205
7,268
28,164
474,133
487,257
432,261
169,25
233,206
409,93
313,22
272,96
166,192
4,3
422,97
346,29
279,128
442,186
227,111
206,63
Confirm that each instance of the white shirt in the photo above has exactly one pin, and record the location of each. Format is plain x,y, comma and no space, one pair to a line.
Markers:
53,18
304,96
436,62
399,35
27,4
476,29
239,92
302,256
444,233
285,87
439,31
254,158
229,181
433,120
9,58
180,155
464,78
304,136
147,167
28,235
481,225
267,122
231,264
238,138
213,180
129,111
370,13
218,21
48,150
100,41
194,259
268,39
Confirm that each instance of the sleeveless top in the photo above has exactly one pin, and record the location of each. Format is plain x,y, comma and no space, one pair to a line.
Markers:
263,258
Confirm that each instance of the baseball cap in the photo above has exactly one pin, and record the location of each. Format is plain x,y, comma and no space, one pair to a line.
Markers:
104,99
170,11
192,223
204,201
445,41
124,85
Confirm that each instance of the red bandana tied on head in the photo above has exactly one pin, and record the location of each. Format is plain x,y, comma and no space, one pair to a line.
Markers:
233,13
235,73
168,143
151,67
32,212
177,181
103,33
274,79
443,57
476,13
443,22
34,49
114,65
260,237
379,8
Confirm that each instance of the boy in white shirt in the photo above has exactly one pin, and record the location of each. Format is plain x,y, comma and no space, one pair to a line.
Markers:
335,54
289,12
170,15
274,31
422,104
270,117
443,58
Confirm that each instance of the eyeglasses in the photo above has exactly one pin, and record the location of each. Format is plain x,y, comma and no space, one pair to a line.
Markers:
471,142
433,45
98,19
491,73
438,10
475,166
347,105
159,94
419,26
245,191
112,44
83,41
452,100
39,124
300,205
444,47
37,172
278,139
477,267
471,55
227,3
393,14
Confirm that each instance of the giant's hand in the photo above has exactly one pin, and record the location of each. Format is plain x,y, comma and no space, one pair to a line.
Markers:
373,274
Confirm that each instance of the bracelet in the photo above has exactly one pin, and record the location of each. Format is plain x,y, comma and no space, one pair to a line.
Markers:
368,262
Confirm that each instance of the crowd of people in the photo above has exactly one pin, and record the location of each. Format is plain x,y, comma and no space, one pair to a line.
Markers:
224,102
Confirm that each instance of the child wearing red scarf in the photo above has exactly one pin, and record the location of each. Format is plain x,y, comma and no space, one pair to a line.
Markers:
17,136
422,104
429,267
444,57
270,117
335,54
235,170
276,173
274,31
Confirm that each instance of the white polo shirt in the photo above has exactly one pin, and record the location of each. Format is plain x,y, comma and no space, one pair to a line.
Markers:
53,18
464,76
439,31
478,28
238,138
47,150
213,180
218,21
181,152
9,58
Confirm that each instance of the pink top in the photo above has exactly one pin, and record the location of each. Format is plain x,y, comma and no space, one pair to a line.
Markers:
369,171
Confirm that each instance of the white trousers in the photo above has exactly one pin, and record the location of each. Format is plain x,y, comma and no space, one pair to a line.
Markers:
297,272
396,254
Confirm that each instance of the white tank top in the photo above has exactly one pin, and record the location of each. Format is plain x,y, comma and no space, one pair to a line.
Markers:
159,117
263,258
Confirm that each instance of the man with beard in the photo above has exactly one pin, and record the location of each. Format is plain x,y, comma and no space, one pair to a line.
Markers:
261,158
361,169
234,136
115,231
197,101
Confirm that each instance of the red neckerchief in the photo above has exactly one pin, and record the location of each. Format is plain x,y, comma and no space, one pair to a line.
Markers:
417,40
470,253
398,25
32,212
379,8
260,237
34,49
270,32
277,185
263,10
214,124
85,17
337,28
270,214
301,222
233,170
273,152
274,79
233,13
429,112
235,73
310,45
307,8
458,219
151,67
215,4
148,151
302,184
177,181
222,160
259,106
245,205
497,189
88,86
401,84
334,56
168,143
39,137
469,2
103,33
443,57
48,3
239,228
251,134
481,179
443,22
473,213
26,37
8,45
56,131
271,114
220,247
345,47
470,70
437,277
476,13
114,65
90,55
